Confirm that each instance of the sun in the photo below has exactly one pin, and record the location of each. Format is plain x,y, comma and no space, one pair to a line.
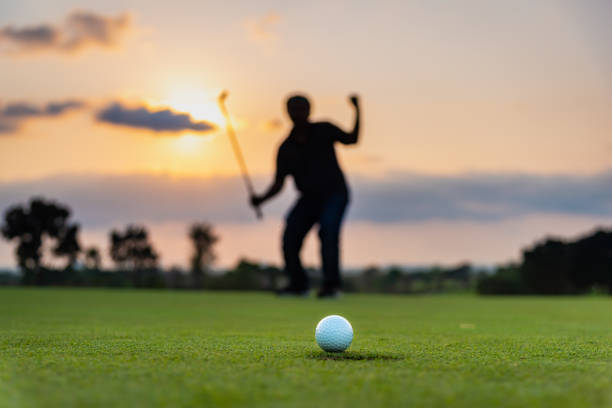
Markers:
198,103
201,105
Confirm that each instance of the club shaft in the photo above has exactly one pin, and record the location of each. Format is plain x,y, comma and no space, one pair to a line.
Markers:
238,153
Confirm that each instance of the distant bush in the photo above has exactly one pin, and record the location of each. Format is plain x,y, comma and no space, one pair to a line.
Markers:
148,278
411,281
506,280
247,275
9,279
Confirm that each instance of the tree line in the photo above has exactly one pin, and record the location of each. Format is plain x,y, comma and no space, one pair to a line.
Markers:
549,267
43,223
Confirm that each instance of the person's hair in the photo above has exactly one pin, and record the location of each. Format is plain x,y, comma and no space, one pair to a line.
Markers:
297,100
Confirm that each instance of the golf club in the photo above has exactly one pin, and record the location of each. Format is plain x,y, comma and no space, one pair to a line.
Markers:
237,151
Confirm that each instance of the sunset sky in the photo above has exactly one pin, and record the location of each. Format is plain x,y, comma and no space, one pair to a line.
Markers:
487,125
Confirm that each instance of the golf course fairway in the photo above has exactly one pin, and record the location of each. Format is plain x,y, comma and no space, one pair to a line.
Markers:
89,347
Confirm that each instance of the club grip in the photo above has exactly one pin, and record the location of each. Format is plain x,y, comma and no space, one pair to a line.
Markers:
258,213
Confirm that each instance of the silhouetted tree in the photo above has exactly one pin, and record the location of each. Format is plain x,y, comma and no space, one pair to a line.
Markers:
68,245
132,250
203,239
546,268
592,256
93,260
30,225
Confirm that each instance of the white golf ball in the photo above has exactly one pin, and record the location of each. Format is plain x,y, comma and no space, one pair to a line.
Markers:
334,333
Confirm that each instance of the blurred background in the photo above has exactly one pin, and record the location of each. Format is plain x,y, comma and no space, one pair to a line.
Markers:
486,129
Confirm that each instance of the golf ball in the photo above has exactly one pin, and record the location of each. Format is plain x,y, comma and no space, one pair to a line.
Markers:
334,333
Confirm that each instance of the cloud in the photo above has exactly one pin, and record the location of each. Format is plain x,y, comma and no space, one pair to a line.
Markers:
101,200
20,110
158,120
485,197
57,108
12,115
31,37
261,30
80,29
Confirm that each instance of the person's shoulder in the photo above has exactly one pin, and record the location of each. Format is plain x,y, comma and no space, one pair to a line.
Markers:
324,125
327,129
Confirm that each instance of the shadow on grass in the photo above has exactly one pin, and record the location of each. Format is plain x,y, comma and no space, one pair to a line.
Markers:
354,355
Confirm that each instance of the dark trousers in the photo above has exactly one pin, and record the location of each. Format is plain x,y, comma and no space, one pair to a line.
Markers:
327,211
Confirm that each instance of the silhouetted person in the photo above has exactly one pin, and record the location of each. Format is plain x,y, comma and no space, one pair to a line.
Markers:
308,155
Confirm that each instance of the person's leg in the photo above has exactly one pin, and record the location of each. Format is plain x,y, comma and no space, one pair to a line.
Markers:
330,222
300,220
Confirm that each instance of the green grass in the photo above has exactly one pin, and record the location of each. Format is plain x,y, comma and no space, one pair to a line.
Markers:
141,348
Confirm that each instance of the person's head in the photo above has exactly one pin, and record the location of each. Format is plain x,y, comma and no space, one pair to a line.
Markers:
298,109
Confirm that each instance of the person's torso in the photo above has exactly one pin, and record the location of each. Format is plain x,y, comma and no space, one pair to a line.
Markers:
312,161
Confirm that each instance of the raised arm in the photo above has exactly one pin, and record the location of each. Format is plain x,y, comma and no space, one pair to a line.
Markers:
353,136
